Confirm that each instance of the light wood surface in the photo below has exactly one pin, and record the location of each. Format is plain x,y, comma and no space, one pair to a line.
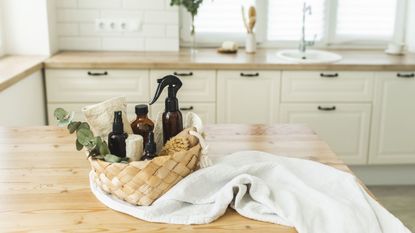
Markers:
44,180
15,68
211,59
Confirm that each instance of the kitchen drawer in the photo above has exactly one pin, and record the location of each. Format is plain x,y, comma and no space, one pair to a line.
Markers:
206,111
77,108
85,86
327,86
345,127
198,85
248,97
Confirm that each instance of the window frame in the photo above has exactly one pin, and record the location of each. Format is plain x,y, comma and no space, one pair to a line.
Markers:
329,40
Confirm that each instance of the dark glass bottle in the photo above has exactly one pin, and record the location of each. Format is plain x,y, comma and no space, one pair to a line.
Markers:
142,125
116,139
150,148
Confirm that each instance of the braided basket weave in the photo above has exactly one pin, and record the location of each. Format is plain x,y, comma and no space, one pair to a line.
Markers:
142,182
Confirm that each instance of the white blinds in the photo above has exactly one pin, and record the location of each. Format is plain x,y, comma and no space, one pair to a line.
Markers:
221,16
372,19
285,16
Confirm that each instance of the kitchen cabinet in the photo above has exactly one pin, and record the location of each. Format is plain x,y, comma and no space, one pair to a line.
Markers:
248,96
345,127
393,126
86,86
340,86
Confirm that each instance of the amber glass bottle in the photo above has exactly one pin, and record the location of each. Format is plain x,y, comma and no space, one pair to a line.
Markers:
142,125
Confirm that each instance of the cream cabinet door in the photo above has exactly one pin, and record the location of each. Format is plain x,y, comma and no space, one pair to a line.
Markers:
85,86
198,85
393,127
248,96
345,127
206,111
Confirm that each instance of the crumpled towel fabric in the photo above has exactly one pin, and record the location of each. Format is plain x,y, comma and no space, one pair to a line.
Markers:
101,116
310,196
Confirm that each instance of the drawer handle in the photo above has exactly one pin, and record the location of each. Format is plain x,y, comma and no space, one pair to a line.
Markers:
411,75
249,75
183,74
187,109
323,75
97,74
326,108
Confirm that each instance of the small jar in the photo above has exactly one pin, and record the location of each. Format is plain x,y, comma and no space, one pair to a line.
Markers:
142,125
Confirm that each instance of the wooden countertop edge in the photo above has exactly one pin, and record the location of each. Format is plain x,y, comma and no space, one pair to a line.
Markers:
224,66
30,65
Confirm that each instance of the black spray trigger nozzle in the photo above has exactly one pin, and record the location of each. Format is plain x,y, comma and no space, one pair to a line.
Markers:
172,82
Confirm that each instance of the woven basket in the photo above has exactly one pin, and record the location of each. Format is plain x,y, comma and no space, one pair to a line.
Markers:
142,182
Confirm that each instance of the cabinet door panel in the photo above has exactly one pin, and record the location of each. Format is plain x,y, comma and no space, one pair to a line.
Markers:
85,86
198,85
393,127
248,97
206,111
345,127
337,86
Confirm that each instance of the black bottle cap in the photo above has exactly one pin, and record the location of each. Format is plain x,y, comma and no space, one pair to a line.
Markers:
141,109
117,126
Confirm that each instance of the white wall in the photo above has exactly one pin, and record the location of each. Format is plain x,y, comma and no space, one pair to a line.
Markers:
27,109
26,24
76,25
410,33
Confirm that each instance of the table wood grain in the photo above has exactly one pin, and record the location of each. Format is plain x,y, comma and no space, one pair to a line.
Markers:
44,180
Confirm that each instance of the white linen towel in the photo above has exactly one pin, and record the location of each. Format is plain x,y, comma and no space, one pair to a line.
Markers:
312,197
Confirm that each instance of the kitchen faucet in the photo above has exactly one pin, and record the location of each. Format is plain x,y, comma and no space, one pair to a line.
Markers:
303,43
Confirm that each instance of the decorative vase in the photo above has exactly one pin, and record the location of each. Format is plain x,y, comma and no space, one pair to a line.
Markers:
193,49
250,43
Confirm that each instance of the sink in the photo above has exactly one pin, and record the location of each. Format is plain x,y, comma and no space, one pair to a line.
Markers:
310,56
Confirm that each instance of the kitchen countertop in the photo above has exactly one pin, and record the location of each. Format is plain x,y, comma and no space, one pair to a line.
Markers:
15,68
362,60
45,188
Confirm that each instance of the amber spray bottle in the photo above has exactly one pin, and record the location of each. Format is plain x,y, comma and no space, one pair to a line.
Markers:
172,118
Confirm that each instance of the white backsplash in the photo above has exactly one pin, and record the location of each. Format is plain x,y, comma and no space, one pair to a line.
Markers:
76,25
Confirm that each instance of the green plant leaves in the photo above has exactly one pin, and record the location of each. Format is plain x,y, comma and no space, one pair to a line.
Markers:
79,146
73,126
60,114
112,158
85,136
103,149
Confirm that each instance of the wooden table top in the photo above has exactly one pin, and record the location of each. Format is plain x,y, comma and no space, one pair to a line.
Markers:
44,180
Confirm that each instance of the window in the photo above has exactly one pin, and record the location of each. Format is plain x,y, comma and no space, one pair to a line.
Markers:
332,22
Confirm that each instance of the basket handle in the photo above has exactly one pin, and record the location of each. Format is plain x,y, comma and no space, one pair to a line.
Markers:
204,159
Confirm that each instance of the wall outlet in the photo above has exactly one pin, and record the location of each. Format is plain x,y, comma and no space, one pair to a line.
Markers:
117,25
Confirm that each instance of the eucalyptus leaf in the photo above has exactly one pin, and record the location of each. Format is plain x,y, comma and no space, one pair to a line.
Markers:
84,125
85,136
79,146
63,123
60,113
103,149
70,116
73,126
112,158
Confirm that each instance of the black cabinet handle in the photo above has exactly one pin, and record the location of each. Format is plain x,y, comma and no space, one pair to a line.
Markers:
411,75
249,75
323,75
326,108
97,74
183,74
187,109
